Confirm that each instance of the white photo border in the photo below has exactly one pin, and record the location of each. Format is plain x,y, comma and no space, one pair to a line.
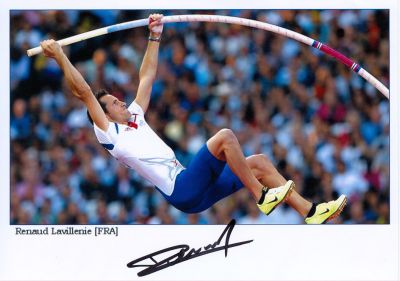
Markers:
284,252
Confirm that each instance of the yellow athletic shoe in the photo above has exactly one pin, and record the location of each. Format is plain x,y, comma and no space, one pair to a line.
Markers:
327,211
272,197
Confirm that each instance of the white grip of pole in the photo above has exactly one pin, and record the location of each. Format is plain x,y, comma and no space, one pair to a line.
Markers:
71,40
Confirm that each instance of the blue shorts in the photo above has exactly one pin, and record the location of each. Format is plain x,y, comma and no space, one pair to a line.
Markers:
205,181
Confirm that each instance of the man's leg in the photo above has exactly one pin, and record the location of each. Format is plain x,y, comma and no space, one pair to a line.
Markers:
265,171
268,175
225,146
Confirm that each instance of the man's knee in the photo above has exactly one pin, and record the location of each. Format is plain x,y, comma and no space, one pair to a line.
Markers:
227,137
222,140
261,163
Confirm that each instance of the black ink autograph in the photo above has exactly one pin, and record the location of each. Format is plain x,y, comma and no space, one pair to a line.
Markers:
183,253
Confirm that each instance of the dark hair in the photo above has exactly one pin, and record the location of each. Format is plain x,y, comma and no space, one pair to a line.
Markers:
99,94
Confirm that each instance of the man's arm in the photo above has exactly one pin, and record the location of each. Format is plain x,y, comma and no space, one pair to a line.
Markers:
148,69
76,83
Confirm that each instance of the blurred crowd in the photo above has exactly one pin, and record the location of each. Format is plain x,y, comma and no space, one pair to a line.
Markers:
322,125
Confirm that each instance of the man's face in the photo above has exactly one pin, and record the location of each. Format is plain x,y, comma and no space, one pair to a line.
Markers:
116,109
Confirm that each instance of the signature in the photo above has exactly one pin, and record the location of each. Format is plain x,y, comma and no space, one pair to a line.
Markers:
181,253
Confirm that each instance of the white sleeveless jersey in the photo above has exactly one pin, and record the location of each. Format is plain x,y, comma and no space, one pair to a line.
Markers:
141,149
